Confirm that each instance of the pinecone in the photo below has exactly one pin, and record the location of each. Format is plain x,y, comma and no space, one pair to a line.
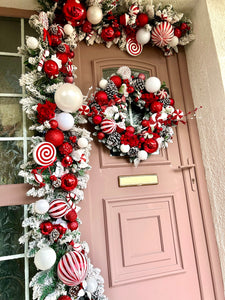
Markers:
138,84
113,140
53,29
54,235
165,132
111,89
56,183
96,106
165,102
73,291
61,48
133,151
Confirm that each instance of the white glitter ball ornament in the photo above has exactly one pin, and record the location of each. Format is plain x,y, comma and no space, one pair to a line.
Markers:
32,43
68,29
82,142
152,84
94,15
45,258
41,206
124,148
103,83
143,36
65,121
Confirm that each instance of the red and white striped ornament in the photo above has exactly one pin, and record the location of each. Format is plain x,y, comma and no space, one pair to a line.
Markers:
162,34
134,10
162,94
72,268
69,198
58,208
77,247
84,110
43,59
178,115
108,126
44,154
133,47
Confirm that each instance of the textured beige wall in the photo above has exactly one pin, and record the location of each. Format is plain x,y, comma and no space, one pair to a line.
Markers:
206,60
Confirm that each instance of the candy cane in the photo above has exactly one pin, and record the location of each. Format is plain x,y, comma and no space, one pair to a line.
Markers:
41,62
69,198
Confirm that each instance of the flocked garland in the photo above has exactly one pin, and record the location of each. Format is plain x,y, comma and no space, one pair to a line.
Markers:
59,158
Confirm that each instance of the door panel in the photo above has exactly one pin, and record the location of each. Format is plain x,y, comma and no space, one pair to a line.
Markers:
142,236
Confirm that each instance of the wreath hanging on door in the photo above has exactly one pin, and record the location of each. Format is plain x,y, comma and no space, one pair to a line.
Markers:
133,116
59,158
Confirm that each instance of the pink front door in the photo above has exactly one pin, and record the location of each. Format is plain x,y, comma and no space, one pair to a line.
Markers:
148,240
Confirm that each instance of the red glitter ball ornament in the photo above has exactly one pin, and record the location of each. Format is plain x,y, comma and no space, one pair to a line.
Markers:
73,225
66,148
87,27
51,69
63,57
130,129
142,20
64,298
172,102
67,161
97,119
54,136
156,106
100,135
108,34
101,98
71,216
69,79
117,80
74,12
68,182
150,145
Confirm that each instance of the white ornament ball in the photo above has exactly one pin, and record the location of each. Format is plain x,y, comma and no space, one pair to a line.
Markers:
82,142
152,84
94,15
68,29
65,121
142,155
124,148
143,36
68,97
91,284
32,43
103,83
174,42
41,206
45,258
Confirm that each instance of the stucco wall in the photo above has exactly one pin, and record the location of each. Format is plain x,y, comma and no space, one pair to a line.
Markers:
206,61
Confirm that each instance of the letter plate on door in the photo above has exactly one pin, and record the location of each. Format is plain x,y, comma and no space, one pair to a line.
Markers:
137,180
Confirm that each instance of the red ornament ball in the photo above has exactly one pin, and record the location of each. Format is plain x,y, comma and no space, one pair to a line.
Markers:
117,33
68,182
108,34
183,26
150,145
74,12
117,80
64,298
51,69
156,106
54,136
142,20
145,123
71,54
130,89
101,98
100,135
53,124
141,76
67,161
177,32
66,148
87,27
130,129
46,228
63,57
69,79
73,225
97,119
71,216
172,102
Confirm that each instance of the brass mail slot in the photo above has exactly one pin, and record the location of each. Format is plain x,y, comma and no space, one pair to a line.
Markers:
138,180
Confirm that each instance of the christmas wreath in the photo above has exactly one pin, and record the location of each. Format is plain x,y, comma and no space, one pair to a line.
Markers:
133,116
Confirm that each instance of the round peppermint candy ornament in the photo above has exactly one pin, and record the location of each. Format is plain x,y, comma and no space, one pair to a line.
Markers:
44,154
133,47
72,268
162,34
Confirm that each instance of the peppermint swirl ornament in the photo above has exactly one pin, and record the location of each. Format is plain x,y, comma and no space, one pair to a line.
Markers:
57,208
162,34
72,268
44,154
133,47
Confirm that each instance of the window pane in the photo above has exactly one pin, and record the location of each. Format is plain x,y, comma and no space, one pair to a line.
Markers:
10,117
12,280
11,218
11,157
28,30
9,34
10,73
108,72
